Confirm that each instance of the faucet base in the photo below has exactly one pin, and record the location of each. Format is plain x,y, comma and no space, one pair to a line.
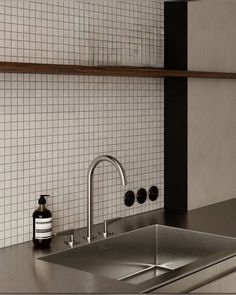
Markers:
107,234
89,239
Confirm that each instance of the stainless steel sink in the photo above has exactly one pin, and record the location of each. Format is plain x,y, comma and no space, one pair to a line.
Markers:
141,255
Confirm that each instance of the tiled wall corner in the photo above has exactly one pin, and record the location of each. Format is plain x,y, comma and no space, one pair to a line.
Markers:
53,126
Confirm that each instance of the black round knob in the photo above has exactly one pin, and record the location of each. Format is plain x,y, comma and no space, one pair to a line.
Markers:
153,193
129,198
141,195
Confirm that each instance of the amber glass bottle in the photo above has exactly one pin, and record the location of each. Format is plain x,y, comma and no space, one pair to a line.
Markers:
42,224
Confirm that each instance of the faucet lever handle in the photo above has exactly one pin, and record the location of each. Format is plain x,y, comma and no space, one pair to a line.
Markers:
68,232
107,222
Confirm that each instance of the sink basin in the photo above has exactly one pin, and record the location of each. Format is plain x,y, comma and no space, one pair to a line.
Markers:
141,255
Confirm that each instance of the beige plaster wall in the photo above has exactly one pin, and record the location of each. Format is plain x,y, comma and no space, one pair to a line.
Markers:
211,103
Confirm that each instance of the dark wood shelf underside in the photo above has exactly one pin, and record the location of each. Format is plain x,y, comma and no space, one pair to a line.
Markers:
125,71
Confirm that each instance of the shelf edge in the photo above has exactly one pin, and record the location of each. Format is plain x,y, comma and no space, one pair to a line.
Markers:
125,71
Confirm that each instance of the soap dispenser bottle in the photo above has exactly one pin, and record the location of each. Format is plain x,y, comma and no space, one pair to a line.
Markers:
42,224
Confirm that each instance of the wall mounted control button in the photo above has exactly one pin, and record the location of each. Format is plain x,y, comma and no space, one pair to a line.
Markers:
141,195
153,193
129,198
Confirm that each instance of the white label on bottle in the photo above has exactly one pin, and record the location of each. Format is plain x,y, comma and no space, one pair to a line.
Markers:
43,228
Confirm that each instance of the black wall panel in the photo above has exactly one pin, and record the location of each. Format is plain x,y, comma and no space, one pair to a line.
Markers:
176,107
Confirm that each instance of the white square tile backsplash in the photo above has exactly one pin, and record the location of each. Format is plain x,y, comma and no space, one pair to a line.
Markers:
90,32
53,126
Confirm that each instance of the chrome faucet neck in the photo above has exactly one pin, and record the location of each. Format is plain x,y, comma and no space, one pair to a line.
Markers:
91,169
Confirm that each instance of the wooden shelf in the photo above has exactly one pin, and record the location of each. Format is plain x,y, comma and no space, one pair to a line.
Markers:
125,71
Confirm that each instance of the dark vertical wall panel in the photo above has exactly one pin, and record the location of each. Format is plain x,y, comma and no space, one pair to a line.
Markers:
176,49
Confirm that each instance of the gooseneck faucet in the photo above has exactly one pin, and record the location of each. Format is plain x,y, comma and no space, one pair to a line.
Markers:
92,166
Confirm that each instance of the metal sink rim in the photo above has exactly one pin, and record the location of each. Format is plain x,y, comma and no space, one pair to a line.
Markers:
85,244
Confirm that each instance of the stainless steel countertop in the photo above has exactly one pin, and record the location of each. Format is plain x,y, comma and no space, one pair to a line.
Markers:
22,272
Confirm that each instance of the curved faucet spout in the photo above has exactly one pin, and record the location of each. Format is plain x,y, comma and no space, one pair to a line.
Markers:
92,166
